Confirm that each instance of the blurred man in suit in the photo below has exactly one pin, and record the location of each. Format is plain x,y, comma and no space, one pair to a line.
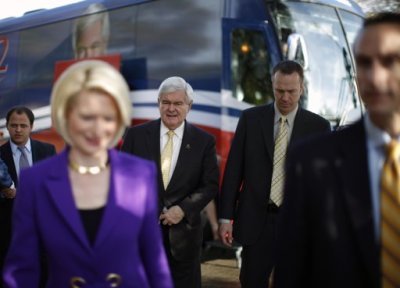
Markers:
19,151
188,176
252,184
340,221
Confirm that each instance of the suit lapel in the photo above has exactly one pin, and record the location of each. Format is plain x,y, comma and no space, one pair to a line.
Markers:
153,141
153,144
300,127
353,169
297,126
60,191
266,117
34,151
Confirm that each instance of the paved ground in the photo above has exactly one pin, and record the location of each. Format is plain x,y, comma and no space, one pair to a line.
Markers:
219,267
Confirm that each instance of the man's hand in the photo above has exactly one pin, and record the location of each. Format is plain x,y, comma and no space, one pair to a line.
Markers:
171,216
225,233
8,193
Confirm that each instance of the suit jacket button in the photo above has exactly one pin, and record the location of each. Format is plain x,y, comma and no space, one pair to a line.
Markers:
114,279
77,282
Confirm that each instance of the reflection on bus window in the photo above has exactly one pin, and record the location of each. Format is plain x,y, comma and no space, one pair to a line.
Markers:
91,33
352,24
329,83
250,66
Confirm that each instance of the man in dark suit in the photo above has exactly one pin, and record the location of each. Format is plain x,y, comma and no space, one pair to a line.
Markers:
187,181
246,197
333,232
19,125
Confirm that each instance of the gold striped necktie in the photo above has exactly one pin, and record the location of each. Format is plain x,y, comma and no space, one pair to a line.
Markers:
390,217
166,158
278,172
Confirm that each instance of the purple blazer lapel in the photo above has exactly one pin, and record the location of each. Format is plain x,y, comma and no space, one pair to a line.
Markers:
126,200
60,191
118,200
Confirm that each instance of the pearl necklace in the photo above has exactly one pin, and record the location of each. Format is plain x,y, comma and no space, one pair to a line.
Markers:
92,170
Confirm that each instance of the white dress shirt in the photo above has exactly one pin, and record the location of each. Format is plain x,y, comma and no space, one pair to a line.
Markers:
177,141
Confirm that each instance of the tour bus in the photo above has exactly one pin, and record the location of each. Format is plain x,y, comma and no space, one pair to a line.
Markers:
224,48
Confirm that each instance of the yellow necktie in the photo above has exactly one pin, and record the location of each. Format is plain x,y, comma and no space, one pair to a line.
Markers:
166,158
390,217
278,172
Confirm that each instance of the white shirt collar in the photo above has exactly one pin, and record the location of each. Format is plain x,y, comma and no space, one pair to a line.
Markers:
14,147
290,117
178,131
377,137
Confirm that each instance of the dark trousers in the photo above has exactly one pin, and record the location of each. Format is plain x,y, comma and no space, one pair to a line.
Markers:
185,274
258,260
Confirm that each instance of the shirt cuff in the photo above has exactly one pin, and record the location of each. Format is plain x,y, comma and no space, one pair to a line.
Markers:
224,221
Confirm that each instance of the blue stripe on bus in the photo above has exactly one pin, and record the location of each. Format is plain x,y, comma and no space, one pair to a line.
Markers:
204,108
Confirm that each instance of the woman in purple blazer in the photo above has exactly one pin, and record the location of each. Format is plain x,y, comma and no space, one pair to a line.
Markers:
90,210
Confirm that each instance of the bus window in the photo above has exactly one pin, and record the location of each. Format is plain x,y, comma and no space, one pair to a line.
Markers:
352,24
297,50
250,67
328,81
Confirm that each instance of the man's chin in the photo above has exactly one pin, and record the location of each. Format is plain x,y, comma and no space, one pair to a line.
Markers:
171,125
17,140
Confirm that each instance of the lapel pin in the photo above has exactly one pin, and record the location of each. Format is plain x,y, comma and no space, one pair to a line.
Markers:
187,146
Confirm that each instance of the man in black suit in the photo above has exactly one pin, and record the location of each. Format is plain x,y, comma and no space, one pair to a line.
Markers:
19,121
246,197
187,181
331,221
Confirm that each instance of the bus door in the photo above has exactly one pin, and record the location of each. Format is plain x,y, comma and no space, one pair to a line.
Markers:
249,53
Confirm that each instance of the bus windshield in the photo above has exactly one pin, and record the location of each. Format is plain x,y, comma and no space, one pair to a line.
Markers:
320,37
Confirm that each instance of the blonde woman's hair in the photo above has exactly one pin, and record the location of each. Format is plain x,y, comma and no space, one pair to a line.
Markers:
89,75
